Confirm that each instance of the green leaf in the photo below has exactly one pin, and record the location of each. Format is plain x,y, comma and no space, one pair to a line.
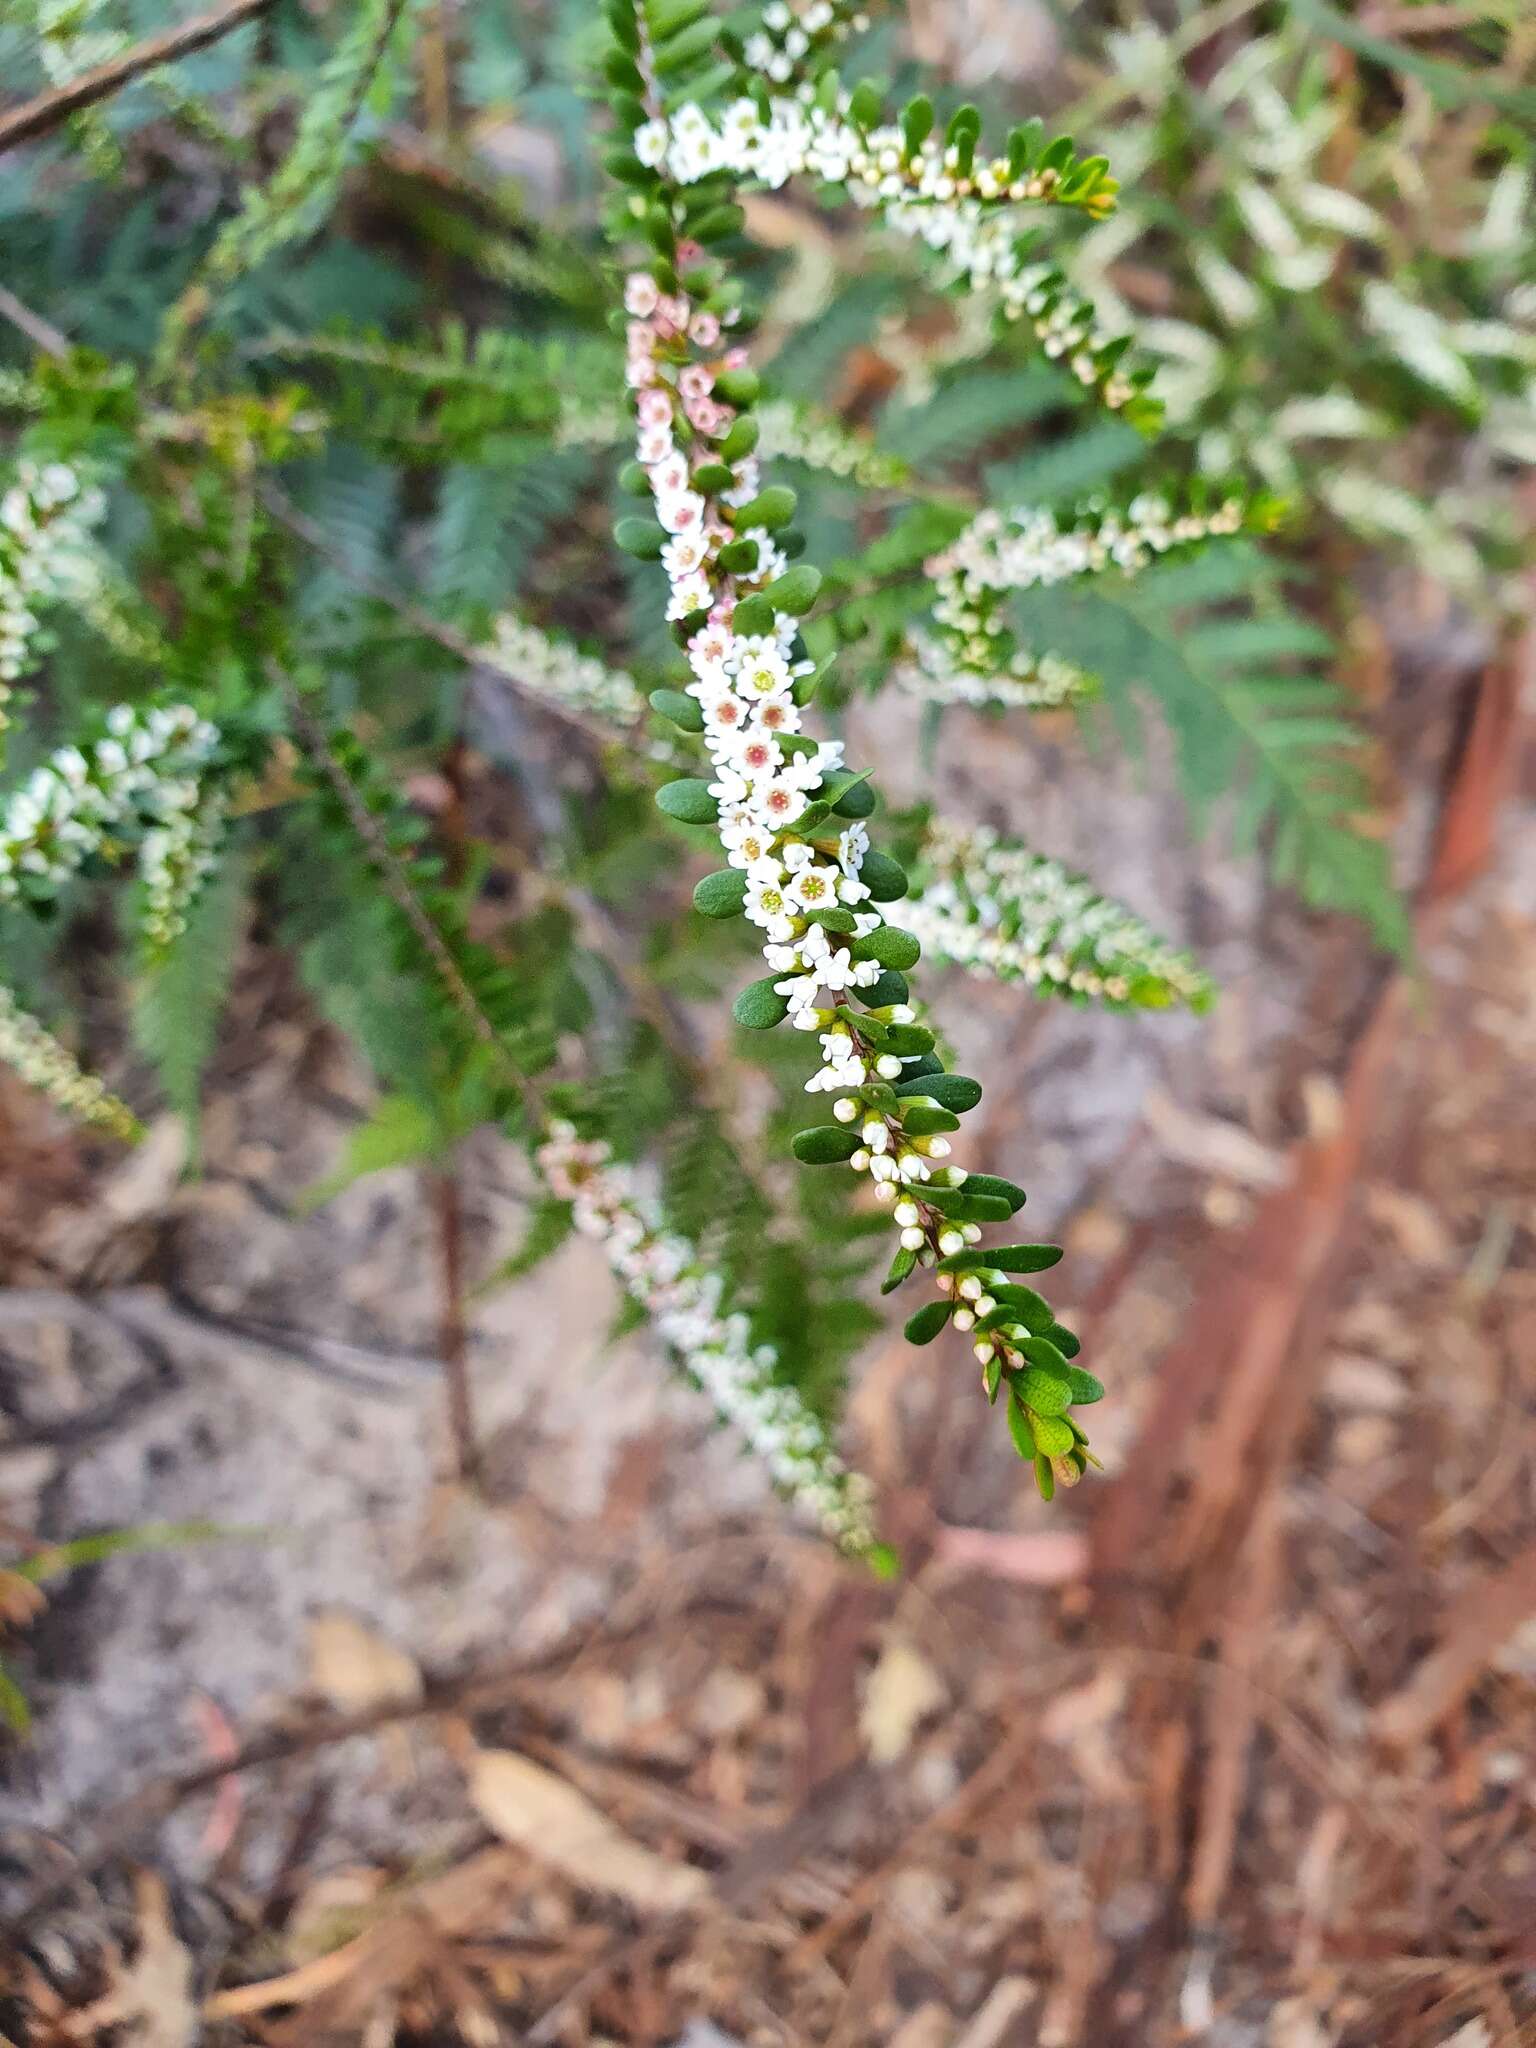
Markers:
927,1120
963,1206
825,1144
994,1184
901,1266
180,996
890,946
771,508
885,879
1053,1434
400,1131
1241,734
721,894
795,591
688,799
1019,1429
739,388
1043,1392
952,1091
684,711
891,987
929,1320
550,1223
1085,1388
759,1006
642,538
753,616
1026,1307
1042,1352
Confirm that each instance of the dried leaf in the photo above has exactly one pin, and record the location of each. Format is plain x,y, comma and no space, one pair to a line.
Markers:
150,1999
902,1688
541,1813
355,1669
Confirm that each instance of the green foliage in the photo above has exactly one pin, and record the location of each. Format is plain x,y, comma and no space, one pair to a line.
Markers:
178,997
353,409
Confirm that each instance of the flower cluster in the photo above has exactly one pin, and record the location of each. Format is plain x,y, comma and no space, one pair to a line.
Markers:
144,782
804,889
977,657
43,1063
993,906
1021,681
785,428
682,1296
556,669
46,517
930,189
789,40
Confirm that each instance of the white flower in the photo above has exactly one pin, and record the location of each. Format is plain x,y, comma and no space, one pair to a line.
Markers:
650,145
778,800
768,905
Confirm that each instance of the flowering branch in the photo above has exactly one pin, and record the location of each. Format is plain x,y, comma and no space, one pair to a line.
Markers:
778,798
46,556
666,1276
998,909
928,188
975,656
43,1063
145,782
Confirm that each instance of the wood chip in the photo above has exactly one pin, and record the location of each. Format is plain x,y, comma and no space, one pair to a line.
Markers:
540,1812
900,1692
354,1669
150,1999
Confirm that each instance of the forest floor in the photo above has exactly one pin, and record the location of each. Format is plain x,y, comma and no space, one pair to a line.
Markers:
1233,1745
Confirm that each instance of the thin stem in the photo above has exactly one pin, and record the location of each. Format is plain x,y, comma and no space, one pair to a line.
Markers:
40,332
45,112
452,1333
397,884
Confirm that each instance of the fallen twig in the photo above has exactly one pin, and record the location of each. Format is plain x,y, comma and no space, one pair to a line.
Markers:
38,116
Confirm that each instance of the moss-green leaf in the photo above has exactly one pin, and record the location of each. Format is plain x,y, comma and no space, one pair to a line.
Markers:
721,894
923,1327
885,879
643,538
795,591
685,712
688,800
759,1006
954,1091
891,946
825,1144
993,1184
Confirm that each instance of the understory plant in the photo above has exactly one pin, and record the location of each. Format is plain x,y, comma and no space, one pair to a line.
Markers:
437,645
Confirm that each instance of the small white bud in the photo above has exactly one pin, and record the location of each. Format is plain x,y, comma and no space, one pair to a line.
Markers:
972,1233
859,1160
913,1239
950,1241
985,1304
845,1109
885,1191
963,1319
936,1148
906,1213
985,1352
888,1067
970,1287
